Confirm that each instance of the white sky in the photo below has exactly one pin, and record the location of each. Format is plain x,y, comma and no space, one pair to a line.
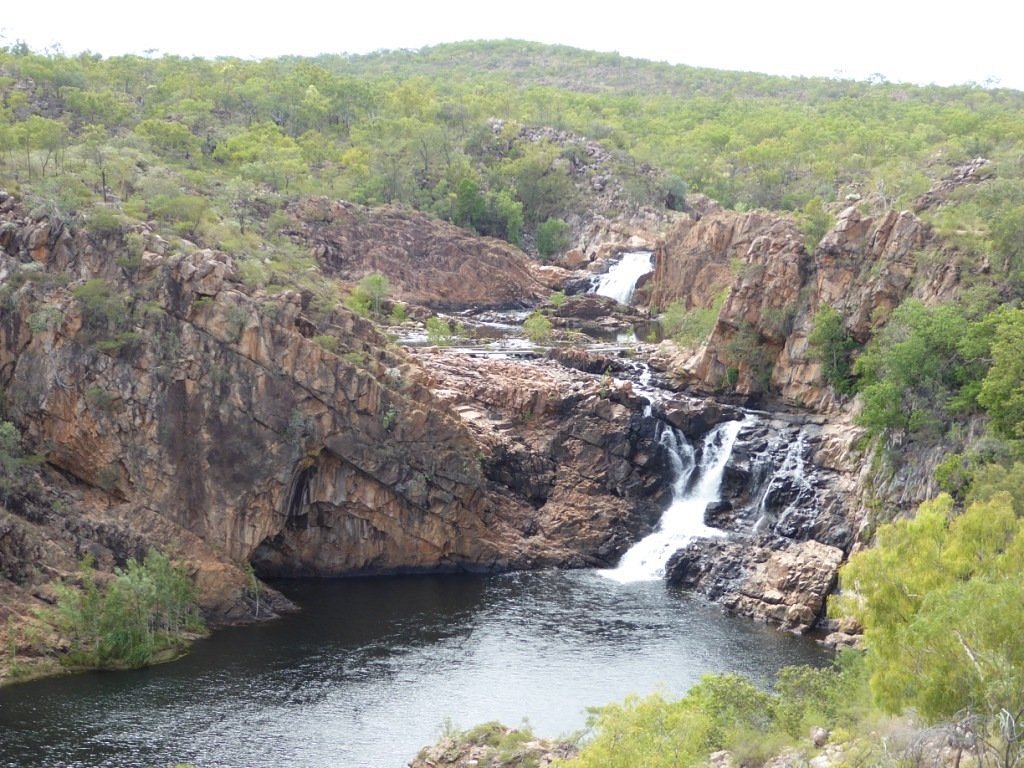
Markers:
935,42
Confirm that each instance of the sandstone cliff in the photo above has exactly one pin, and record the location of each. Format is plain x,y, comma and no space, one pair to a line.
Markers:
176,406
427,261
863,268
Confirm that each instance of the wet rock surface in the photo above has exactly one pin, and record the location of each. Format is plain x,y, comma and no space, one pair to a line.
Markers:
788,529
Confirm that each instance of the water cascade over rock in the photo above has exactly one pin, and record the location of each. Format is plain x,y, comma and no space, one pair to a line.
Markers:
620,281
696,485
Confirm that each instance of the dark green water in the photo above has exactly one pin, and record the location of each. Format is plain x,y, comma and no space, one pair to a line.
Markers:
372,669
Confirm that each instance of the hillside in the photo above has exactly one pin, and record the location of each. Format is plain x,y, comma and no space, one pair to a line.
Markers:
206,265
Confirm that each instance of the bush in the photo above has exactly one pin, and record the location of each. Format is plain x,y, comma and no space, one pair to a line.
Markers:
327,342
552,237
941,602
145,610
831,345
746,352
537,328
727,712
691,327
921,368
439,332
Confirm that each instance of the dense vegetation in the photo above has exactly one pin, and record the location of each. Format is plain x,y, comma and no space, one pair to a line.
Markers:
213,148
142,614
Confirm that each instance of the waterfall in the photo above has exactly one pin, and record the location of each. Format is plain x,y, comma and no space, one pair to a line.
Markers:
787,484
693,488
621,279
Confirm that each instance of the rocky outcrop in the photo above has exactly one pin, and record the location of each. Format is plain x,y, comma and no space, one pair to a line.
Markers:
863,267
181,408
578,448
493,744
972,172
426,261
596,316
782,583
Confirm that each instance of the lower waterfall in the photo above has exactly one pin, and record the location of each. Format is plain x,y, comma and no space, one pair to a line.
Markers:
693,488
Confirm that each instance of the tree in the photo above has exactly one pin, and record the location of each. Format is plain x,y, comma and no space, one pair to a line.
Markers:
541,183
831,344
41,134
913,369
131,618
439,332
552,237
942,602
1002,391
375,287
537,328
169,138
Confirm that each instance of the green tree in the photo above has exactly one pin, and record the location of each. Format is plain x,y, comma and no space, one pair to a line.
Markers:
1002,391
941,602
375,287
169,138
552,237
44,135
913,369
537,328
541,183
831,344
439,332
130,619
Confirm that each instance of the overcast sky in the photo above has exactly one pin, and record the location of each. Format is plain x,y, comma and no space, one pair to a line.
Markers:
935,42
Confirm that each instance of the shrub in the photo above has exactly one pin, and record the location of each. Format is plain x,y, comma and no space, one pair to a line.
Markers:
691,327
537,328
375,287
439,332
143,611
745,351
327,342
552,237
831,345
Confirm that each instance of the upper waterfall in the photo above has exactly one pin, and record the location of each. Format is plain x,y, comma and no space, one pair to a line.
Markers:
621,279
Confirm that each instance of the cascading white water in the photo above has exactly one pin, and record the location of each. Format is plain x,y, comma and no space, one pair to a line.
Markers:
791,472
620,281
684,518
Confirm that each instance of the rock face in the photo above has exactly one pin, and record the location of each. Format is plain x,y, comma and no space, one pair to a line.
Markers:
781,583
577,448
427,262
186,410
863,267
783,506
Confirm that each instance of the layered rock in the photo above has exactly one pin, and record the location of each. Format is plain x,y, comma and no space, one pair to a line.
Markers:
864,267
186,410
784,583
578,448
427,261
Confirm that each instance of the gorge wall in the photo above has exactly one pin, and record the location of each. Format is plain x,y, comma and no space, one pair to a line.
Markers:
175,406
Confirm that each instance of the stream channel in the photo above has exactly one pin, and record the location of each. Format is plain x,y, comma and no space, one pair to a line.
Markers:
370,670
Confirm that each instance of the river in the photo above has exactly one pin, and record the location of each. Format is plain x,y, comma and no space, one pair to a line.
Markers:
373,669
